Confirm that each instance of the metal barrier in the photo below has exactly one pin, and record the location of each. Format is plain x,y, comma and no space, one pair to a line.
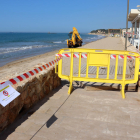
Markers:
98,58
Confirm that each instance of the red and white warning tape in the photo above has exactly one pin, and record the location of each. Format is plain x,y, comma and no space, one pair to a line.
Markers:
85,56
30,73
74,55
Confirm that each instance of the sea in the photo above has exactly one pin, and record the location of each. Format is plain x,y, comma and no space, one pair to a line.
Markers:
15,46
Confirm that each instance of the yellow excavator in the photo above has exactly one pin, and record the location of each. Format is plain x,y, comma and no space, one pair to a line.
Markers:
75,39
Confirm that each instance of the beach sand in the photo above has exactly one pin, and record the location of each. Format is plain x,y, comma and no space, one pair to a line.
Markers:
19,67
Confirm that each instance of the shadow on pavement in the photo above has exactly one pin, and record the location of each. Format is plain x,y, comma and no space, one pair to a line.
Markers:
23,116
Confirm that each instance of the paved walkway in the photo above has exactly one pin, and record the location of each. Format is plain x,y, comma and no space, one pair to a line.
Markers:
83,115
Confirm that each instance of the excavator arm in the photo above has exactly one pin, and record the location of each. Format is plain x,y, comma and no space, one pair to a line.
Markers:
75,36
75,40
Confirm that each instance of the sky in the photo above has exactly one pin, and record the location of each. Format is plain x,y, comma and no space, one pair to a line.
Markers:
61,15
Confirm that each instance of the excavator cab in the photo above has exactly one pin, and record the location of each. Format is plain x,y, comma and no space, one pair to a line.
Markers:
75,39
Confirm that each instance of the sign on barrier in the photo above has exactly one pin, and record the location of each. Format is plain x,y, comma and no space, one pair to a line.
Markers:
7,94
98,58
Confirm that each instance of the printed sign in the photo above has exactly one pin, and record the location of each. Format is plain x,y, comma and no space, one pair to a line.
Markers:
7,94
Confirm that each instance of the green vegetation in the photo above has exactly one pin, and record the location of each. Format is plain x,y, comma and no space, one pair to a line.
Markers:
105,31
100,31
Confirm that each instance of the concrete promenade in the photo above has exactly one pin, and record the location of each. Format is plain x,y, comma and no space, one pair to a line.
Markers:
83,115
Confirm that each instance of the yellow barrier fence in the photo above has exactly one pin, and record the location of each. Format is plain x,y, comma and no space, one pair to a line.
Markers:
98,58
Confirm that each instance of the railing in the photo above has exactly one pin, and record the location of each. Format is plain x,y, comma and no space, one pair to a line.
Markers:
98,58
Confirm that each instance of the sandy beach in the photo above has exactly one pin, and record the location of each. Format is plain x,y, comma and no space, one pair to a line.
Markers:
16,68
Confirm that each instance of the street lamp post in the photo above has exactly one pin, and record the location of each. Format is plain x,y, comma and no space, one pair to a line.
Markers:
126,25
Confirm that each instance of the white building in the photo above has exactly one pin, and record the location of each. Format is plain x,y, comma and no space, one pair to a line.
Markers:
134,18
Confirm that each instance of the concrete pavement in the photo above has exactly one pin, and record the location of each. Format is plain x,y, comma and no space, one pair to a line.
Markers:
83,115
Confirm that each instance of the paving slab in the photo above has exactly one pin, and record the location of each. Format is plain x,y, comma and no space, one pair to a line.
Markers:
19,136
82,115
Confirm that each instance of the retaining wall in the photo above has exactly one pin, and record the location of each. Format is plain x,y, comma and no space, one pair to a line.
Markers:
31,91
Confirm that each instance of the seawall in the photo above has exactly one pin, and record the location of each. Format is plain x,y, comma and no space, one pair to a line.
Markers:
31,91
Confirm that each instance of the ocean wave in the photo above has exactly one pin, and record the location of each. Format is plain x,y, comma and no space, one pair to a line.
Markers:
57,42
92,38
15,49
97,37
100,36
